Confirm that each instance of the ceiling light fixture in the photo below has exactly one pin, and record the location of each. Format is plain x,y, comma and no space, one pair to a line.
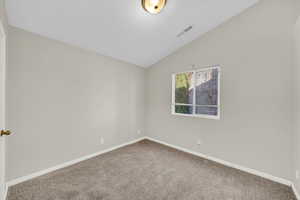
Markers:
154,6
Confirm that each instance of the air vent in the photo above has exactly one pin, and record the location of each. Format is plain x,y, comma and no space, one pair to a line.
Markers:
187,29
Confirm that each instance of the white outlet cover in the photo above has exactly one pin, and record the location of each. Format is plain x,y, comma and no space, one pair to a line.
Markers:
297,174
139,132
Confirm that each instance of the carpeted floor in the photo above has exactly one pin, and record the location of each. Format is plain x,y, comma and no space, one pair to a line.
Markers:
149,171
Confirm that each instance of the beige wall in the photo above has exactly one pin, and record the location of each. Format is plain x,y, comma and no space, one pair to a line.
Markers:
62,99
255,54
296,102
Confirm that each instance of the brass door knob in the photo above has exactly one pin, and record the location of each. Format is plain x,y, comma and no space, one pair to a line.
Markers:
5,132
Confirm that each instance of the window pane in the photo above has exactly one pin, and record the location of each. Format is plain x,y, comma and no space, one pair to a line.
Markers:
204,110
183,109
207,87
184,88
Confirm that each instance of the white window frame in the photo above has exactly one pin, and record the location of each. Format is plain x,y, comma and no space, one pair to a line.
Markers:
217,117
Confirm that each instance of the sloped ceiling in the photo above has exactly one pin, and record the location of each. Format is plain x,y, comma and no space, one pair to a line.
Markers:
122,29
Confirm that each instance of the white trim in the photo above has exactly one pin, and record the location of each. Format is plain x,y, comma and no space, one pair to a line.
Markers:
4,169
197,116
183,104
69,163
3,55
2,31
173,94
296,191
223,162
199,69
5,191
194,93
226,163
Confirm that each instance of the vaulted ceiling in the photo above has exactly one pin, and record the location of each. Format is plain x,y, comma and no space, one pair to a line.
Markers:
121,28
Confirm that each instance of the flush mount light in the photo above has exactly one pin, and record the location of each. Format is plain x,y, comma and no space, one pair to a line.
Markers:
154,6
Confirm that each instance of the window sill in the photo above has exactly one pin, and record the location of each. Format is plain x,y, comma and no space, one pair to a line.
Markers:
198,116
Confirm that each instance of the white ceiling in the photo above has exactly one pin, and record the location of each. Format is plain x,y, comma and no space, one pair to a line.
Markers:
122,29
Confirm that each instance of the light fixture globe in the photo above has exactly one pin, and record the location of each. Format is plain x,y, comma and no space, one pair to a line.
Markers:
154,6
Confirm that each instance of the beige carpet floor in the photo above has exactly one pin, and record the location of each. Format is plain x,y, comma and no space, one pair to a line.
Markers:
149,171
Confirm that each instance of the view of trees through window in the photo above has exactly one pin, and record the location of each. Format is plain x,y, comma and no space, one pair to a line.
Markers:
197,92
184,93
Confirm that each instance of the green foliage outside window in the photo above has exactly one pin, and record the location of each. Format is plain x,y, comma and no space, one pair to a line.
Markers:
182,93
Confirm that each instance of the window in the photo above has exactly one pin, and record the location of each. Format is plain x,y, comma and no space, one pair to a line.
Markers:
197,93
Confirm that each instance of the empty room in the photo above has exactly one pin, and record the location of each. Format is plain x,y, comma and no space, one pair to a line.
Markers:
150,100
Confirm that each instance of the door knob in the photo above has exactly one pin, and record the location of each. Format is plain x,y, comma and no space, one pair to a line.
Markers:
5,132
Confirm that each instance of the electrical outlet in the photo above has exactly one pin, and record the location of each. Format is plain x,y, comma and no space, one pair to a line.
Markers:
139,132
102,140
199,142
297,174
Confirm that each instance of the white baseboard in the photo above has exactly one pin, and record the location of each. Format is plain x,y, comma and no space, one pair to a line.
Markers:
226,163
66,164
296,191
5,191
223,162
